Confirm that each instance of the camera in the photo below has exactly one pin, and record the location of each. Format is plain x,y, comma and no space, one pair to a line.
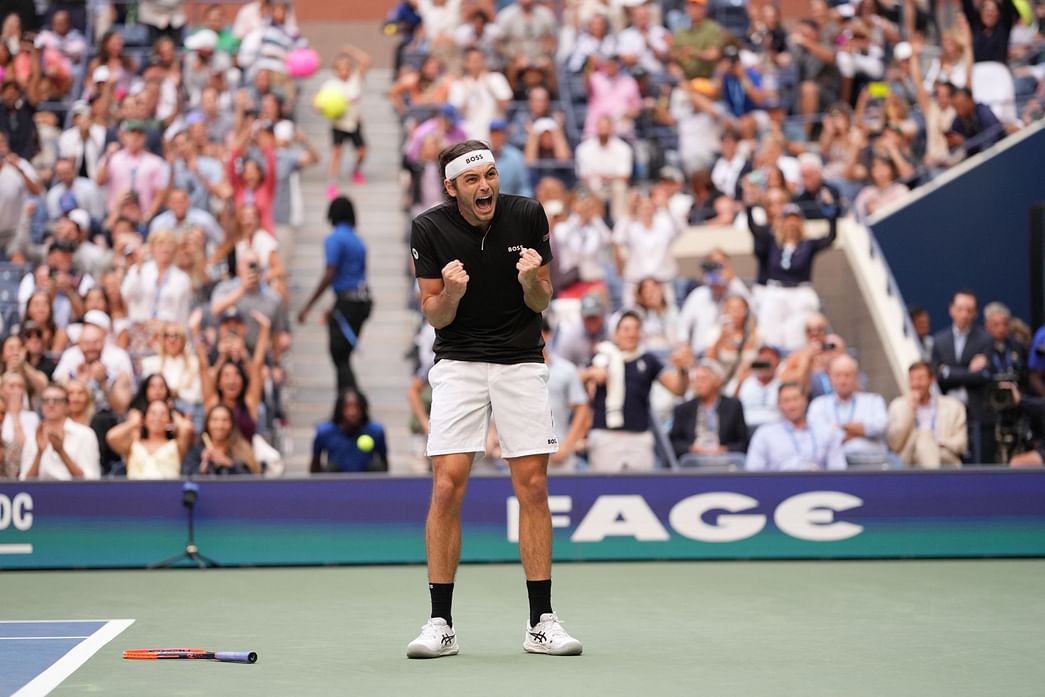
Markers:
253,267
830,346
710,266
761,365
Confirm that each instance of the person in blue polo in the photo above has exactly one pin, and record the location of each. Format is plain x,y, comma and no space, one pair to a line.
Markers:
350,440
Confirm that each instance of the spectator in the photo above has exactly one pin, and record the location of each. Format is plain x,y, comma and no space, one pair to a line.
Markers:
604,164
511,167
60,448
222,449
69,192
963,372
156,289
294,153
200,176
350,68
60,293
698,48
181,216
19,422
583,240
991,26
619,379
480,32
132,169
975,127
446,124
425,86
152,444
793,443
883,191
538,106
94,360
737,342
547,151
253,15
1008,358
346,274
244,296
253,183
83,143
813,186
10,448
239,387
612,94
785,267
758,388
81,405
643,245
480,95
248,237
819,78
576,341
577,47
528,29
569,404
15,357
700,316
179,368
659,317
709,430
731,165
925,429
18,181
860,417
923,333
35,348
17,115
351,440
700,120
644,44
809,365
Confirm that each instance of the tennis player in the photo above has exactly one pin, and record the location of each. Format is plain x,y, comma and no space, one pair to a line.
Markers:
482,263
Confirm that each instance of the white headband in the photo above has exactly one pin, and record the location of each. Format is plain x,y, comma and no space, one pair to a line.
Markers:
475,158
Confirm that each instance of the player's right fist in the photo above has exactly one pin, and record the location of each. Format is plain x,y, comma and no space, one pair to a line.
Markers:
455,280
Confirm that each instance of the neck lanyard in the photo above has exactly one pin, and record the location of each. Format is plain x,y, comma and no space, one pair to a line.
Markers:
160,283
852,410
794,441
1005,367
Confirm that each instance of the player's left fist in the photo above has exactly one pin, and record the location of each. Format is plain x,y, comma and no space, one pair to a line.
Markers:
529,262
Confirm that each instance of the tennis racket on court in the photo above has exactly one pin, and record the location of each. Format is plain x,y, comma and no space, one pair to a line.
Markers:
191,655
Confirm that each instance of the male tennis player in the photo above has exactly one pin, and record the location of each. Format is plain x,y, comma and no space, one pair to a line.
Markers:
482,263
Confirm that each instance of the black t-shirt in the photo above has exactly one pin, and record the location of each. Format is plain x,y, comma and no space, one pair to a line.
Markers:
639,376
492,324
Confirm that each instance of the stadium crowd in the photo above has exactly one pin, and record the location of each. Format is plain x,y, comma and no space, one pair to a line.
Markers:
630,120
149,185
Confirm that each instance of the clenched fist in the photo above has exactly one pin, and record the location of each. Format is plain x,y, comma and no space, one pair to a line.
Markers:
529,262
455,280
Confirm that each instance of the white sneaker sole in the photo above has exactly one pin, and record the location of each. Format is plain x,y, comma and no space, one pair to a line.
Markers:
573,648
422,651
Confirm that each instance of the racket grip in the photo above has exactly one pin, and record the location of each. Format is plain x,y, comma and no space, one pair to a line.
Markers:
236,656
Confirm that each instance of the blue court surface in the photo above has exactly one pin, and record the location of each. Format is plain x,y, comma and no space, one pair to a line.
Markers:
37,655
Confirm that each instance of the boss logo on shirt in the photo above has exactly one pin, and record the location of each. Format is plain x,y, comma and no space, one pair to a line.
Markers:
517,248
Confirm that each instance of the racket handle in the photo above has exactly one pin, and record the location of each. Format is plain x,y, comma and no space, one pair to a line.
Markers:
236,656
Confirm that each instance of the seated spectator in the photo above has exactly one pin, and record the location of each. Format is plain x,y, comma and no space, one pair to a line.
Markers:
36,353
511,165
152,388
83,143
810,192
583,242
18,418
644,44
576,341
53,293
351,440
547,151
604,164
237,385
81,403
128,167
178,366
69,192
612,94
620,379
785,267
152,444
156,289
659,317
793,443
480,95
737,342
926,429
709,430
10,449
700,120
60,448
808,366
446,123
698,48
578,47
249,239
643,245
95,360
975,127
758,388
425,86
479,31
732,164
710,206
181,216
700,316
528,29
538,106
222,449
860,417
15,360
17,119
883,191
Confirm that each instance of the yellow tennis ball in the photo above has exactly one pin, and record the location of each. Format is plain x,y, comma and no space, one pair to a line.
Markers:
330,102
365,443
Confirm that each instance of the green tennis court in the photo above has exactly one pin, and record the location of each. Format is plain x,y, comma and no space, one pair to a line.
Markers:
715,628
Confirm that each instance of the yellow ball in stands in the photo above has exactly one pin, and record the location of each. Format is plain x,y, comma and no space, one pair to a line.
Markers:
365,443
331,103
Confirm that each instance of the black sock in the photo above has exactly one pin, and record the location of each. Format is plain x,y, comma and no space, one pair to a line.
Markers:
442,597
540,593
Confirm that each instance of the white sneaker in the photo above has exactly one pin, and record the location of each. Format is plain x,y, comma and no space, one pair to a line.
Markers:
436,639
550,637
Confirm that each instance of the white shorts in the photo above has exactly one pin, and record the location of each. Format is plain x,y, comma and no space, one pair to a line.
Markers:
466,393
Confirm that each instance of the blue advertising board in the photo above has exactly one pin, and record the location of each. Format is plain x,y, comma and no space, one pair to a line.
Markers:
378,520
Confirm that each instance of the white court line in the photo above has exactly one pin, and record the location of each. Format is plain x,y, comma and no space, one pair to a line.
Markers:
65,666
16,549
49,621
33,639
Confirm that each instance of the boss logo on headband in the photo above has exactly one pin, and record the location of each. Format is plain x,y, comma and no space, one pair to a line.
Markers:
473,158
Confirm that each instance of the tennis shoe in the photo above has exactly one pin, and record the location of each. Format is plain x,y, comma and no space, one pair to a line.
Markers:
358,178
550,637
436,639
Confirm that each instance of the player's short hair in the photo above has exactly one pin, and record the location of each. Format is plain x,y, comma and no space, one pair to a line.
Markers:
451,153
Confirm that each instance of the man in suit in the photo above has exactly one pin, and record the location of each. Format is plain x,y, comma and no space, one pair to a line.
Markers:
963,372
709,429
924,429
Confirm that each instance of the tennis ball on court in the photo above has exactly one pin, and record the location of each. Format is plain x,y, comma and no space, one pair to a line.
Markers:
365,443
330,102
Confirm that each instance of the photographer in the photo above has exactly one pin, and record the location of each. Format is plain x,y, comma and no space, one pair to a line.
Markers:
1007,364
1032,409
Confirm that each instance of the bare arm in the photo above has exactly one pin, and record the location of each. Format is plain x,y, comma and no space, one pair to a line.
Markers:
324,283
535,280
441,296
121,437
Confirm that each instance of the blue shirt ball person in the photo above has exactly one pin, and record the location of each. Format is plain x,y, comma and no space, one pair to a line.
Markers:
351,441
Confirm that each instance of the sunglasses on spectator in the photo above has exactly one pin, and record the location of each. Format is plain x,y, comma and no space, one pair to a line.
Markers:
53,400
35,334
819,329
172,335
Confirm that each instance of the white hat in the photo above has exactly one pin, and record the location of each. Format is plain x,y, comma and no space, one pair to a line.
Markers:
98,319
80,107
544,125
284,130
902,51
81,217
100,74
203,40
554,207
